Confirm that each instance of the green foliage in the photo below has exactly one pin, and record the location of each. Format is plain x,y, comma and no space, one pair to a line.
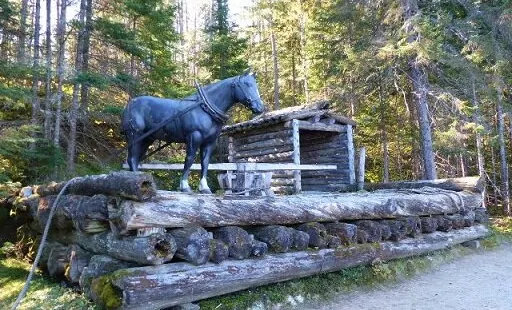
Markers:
324,286
116,34
224,53
8,12
143,32
24,158
43,294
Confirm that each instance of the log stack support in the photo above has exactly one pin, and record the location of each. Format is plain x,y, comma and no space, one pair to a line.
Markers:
134,251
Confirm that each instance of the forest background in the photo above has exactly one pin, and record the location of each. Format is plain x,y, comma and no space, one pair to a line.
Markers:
428,82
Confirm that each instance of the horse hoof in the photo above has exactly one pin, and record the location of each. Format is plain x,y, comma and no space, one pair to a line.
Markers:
206,191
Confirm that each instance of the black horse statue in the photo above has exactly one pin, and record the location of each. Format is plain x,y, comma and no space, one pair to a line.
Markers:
196,120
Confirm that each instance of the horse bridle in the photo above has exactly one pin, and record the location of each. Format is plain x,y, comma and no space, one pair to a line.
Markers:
236,82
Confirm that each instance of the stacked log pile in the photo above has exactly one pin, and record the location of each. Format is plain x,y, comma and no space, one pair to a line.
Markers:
136,247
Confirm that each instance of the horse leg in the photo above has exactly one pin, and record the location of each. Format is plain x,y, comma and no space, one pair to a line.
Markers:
135,153
206,153
193,142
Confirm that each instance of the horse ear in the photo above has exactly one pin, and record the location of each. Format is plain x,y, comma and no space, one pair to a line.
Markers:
248,71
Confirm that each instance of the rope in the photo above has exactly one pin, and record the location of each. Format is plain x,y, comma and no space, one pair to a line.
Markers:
41,245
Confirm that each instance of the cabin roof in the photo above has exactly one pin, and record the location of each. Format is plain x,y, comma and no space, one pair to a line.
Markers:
319,108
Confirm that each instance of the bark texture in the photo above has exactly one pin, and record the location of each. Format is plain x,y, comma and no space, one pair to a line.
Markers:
131,185
171,209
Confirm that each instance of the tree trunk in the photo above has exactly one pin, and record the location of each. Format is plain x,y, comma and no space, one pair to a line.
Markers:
23,31
420,90
84,94
303,37
273,43
35,66
61,39
503,152
174,284
420,85
479,144
48,83
384,135
73,113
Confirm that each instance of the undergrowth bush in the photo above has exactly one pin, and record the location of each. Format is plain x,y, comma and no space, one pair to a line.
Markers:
24,158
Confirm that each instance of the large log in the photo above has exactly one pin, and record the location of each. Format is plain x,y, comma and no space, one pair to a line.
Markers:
264,144
472,184
283,134
138,186
239,242
347,233
219,251
317,234
278,238
78,259
154,249
84,213
100,265
172,209
58,260
281,148
173,284
193,244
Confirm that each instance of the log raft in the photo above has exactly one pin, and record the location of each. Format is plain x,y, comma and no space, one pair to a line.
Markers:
173,209
158,287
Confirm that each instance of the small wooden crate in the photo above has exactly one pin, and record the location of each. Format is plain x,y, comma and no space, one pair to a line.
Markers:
248,183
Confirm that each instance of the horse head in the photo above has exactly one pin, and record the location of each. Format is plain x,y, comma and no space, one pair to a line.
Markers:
246,91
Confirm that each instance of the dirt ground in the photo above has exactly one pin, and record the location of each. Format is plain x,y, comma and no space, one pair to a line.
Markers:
477,281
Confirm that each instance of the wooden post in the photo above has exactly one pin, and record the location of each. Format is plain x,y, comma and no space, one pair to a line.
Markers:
360,174
297,187
351,155
231,157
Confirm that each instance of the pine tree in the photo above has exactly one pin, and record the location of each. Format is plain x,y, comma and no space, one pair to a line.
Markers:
224,52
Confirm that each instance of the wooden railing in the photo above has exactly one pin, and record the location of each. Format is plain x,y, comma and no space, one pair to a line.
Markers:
238,167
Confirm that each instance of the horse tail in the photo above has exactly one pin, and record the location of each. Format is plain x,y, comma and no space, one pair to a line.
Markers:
132,122
126,118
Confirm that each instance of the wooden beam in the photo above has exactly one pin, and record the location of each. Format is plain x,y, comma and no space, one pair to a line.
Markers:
172,209
351,155
305,125
238,166
328,121
360,171
473,184
342,119
296,156
158,287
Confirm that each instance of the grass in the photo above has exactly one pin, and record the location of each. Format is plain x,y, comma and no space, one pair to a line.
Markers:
43,294
325,286
47,294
